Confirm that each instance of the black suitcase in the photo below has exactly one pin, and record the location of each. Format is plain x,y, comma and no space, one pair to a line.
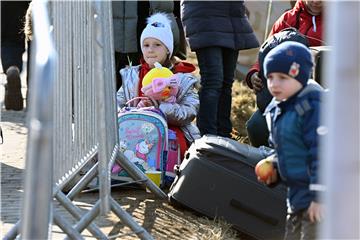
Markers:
217,179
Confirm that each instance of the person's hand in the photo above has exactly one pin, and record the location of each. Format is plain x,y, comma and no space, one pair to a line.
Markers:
256,82
272,179
145,103
315,212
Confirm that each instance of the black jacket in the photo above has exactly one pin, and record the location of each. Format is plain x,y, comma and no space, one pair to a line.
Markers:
217,23
12,22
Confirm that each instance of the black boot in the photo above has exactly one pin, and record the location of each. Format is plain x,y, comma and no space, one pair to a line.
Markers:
13,98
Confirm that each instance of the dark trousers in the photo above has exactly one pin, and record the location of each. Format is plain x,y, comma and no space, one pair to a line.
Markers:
217,66
257,130
298,226
11,56
12,35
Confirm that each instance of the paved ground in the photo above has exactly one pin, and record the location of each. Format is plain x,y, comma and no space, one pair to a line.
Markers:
160,219
12,159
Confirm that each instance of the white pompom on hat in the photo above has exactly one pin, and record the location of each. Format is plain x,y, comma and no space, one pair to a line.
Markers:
159,27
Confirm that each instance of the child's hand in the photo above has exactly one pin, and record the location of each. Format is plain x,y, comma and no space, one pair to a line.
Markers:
145,103
315,212
170,99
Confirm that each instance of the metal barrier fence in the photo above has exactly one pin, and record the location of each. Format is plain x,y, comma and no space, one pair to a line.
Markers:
340,151
72,120
75,91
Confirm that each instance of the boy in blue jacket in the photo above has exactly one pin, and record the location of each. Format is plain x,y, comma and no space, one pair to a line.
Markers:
293,119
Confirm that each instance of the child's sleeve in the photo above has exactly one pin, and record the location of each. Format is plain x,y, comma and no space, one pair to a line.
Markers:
120,98
183,112
310,125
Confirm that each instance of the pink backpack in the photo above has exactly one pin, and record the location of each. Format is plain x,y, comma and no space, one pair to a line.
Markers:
146,141
173,155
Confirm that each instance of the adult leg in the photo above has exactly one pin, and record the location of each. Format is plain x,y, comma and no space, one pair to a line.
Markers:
211,72
11,58
13,98
28,72
12,49
224,125
257,130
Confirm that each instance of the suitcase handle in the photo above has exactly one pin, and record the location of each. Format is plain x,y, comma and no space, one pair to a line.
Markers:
252,211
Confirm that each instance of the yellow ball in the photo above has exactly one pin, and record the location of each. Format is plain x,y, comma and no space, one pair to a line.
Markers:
157,72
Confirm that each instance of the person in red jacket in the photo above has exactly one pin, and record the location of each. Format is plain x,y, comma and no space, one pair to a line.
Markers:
306,17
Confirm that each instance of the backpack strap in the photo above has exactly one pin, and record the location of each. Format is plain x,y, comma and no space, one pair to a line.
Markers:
304,105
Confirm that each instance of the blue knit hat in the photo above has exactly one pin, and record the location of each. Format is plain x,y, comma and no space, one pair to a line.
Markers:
291,58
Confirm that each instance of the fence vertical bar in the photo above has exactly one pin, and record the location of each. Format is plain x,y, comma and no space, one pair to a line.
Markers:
101,113
341,154
39,161
79,121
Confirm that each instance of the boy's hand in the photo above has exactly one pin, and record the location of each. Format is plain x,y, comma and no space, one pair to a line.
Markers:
256,82
272,179
315,212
